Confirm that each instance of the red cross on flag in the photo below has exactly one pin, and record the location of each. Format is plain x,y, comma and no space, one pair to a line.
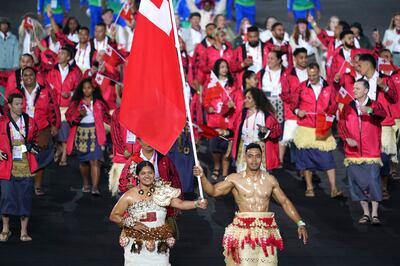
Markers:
126,12
153,105
343,96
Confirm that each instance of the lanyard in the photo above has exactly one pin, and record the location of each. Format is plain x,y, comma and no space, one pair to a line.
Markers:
84,55
14,124
254,122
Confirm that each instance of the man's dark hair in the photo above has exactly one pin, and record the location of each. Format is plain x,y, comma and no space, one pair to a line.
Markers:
69,50
299,51
211,24
107,10
28,55
368,58
313,65
101,24
253,29
345,32
28,68
13,96
84,28
385,50
344,24
364,82
276,24
194,14
253,146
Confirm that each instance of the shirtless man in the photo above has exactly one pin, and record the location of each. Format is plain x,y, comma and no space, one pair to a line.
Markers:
253,237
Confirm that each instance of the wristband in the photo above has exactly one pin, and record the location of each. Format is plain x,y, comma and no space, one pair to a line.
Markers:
314,24
301,223
370,110
196,204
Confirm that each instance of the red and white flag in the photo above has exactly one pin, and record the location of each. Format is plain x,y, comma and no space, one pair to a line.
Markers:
126,12
343,96
111,56
28,23
102,81
385,65
323,125
348,68
153,105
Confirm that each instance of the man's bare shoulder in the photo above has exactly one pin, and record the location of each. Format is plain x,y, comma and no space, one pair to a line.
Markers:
234,177
272,179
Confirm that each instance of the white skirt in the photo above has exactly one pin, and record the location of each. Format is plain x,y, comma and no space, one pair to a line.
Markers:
289,130
144,258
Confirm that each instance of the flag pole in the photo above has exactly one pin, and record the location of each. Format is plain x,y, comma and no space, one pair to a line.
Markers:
189,116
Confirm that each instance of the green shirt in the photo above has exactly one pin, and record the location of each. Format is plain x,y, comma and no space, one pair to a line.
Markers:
245,2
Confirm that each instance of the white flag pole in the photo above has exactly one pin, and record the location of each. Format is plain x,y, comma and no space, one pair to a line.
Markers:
189,116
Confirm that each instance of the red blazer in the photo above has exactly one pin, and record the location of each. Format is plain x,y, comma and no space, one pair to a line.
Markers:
304,99
365,129
395,107
328,42
222,117
168,173
285,48
5,145
101,116
388,99
118,136
71,82
211,55
47,111
271,142
290,84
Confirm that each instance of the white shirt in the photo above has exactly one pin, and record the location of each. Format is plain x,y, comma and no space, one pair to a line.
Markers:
89,117
27,43
101,46
223,82
154,161
196,36
4,36
363,104
285,61
30,100
250,129
64,72
301,74
73,37
347,54
317,89
54,46
256,54
271,81
372,84
82,57
15,134
391,35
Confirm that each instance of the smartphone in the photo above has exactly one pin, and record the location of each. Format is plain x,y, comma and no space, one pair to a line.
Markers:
4,155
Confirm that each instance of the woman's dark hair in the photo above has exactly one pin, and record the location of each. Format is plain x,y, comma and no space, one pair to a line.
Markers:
66,30
246,75
78,93
216,70
262,102
296,32
141,165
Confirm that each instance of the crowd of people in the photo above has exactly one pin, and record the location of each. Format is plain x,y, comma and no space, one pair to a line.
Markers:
252,92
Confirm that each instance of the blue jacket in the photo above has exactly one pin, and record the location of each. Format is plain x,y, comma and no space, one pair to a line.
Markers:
10,52
62,6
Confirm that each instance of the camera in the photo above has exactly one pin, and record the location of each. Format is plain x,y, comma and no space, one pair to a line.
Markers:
32,147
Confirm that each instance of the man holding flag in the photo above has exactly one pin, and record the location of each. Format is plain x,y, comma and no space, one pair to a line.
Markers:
315,98
360,128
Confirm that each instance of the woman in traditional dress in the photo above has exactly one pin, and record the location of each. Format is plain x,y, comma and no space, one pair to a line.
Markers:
145,237
87,114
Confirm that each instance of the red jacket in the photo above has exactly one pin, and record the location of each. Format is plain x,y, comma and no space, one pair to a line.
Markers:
387,99
271,142
304,99
366,130
328,42
290,84
73,117
70,83
284,48
395,107
199,51
47,111
211,55
118,136
15,79
5,145
241,54
166,169
223,116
